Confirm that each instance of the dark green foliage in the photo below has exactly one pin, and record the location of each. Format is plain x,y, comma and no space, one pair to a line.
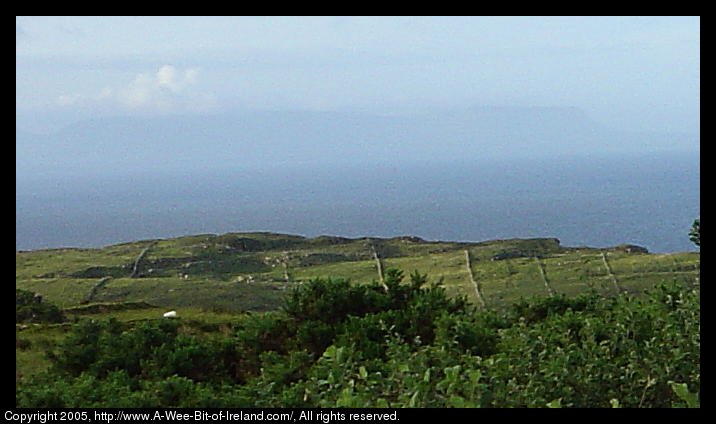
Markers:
332,301
340,345
29,307
21,343
367,334
321,258
327,308
345,344
695,232
330,240
119,390
224,266
529,248
539,309
510,254
256,242
474,334
212,262
259,334
190,357
625,349
315,336
100,347
103,271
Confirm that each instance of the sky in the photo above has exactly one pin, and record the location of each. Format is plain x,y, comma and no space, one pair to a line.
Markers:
628,73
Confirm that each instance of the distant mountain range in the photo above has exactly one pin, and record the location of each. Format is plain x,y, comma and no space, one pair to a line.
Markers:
302,138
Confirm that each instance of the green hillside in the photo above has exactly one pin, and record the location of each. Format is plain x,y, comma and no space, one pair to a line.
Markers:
240,272
219,284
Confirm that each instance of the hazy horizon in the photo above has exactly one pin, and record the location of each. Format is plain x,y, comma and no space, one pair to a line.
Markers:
145,106
627,73
348,89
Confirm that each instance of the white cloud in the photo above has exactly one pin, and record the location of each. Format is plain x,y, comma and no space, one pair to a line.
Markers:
163,90
168,89
168,76
139,93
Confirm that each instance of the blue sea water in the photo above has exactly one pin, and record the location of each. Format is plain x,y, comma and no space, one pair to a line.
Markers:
649,200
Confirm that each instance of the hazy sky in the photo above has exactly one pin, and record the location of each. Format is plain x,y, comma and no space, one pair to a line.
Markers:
634,73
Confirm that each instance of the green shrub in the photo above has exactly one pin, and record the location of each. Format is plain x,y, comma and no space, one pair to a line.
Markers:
340,345
332,301
29,307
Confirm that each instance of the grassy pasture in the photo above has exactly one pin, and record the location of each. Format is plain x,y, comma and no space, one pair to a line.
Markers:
212,281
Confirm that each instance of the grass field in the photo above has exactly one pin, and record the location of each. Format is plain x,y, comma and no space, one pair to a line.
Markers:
247,272
210,280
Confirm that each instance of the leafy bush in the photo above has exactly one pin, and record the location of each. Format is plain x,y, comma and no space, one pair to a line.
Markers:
29,307
340,345
332,301
541,308
100,347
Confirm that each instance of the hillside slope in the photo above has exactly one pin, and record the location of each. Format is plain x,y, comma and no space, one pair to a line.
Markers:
217,283
239,272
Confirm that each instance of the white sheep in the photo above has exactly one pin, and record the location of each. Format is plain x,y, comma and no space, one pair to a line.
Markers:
170,314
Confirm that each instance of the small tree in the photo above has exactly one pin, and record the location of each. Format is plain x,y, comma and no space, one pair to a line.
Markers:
695,233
